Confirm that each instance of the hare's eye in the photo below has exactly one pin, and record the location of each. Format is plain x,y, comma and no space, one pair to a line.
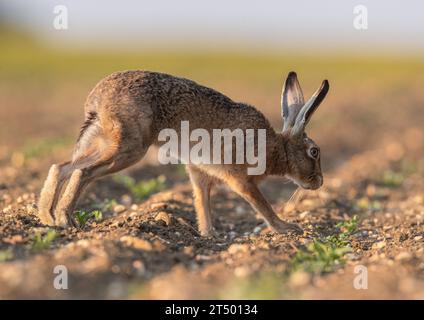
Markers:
314,152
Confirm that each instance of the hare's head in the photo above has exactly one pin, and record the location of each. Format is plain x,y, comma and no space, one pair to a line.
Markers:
303,154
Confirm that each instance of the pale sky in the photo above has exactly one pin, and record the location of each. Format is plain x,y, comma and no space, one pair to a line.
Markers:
323,25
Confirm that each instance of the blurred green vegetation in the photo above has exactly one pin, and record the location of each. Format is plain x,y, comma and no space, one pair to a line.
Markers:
23,59
144,188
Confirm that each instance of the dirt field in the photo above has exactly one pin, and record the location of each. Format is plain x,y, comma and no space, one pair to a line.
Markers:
370,211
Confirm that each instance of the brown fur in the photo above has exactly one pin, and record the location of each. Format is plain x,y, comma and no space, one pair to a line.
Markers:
124,115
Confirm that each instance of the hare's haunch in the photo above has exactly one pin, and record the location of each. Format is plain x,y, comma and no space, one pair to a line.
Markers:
125,114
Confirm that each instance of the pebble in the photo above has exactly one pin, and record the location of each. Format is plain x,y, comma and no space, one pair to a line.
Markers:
238,247
257,229
163,216
299,279
201,257
13,239
119,208
189,250
126,200
137,243
232,235
139,266
403,256
303,214
418,238
7,209
240,210
379,245
241,272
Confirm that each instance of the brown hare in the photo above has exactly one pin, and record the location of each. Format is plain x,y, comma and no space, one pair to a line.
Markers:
125,113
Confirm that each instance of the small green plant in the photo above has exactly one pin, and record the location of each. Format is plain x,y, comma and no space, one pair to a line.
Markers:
392,178
6,255
318,257
83,216
346,229
41,243
325,254
365,203
142,189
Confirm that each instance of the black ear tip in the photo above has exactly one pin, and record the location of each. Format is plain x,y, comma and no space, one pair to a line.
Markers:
326,84
292,75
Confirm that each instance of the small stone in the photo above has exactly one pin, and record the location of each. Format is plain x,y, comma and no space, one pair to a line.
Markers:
134,207
115,269
158,245
119,208
403,256
13,239
8,209
303,214
257,229
201,257
418,238
241,272
237,247
126,200
137,243
232,235
139,266
379,245
299,279
31,208
189,250
163,216
240,210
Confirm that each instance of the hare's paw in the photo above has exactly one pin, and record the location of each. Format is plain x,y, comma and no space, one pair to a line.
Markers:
208,232
285,227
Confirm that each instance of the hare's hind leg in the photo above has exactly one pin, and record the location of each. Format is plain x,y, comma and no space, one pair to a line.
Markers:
98,152
202,184
82,176
58,174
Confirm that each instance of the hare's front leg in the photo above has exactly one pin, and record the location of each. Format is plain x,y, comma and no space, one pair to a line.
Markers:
202,183
251,193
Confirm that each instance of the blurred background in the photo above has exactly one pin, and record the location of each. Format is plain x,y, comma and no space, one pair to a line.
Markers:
242,48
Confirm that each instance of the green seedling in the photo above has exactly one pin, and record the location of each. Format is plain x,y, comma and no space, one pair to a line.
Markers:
392,179
41,243
83,216
324,255
142,189
365,203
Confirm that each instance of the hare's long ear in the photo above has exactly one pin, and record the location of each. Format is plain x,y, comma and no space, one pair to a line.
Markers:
309,108
292,101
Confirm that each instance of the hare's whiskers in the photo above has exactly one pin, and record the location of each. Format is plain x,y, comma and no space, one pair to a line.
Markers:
295,196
